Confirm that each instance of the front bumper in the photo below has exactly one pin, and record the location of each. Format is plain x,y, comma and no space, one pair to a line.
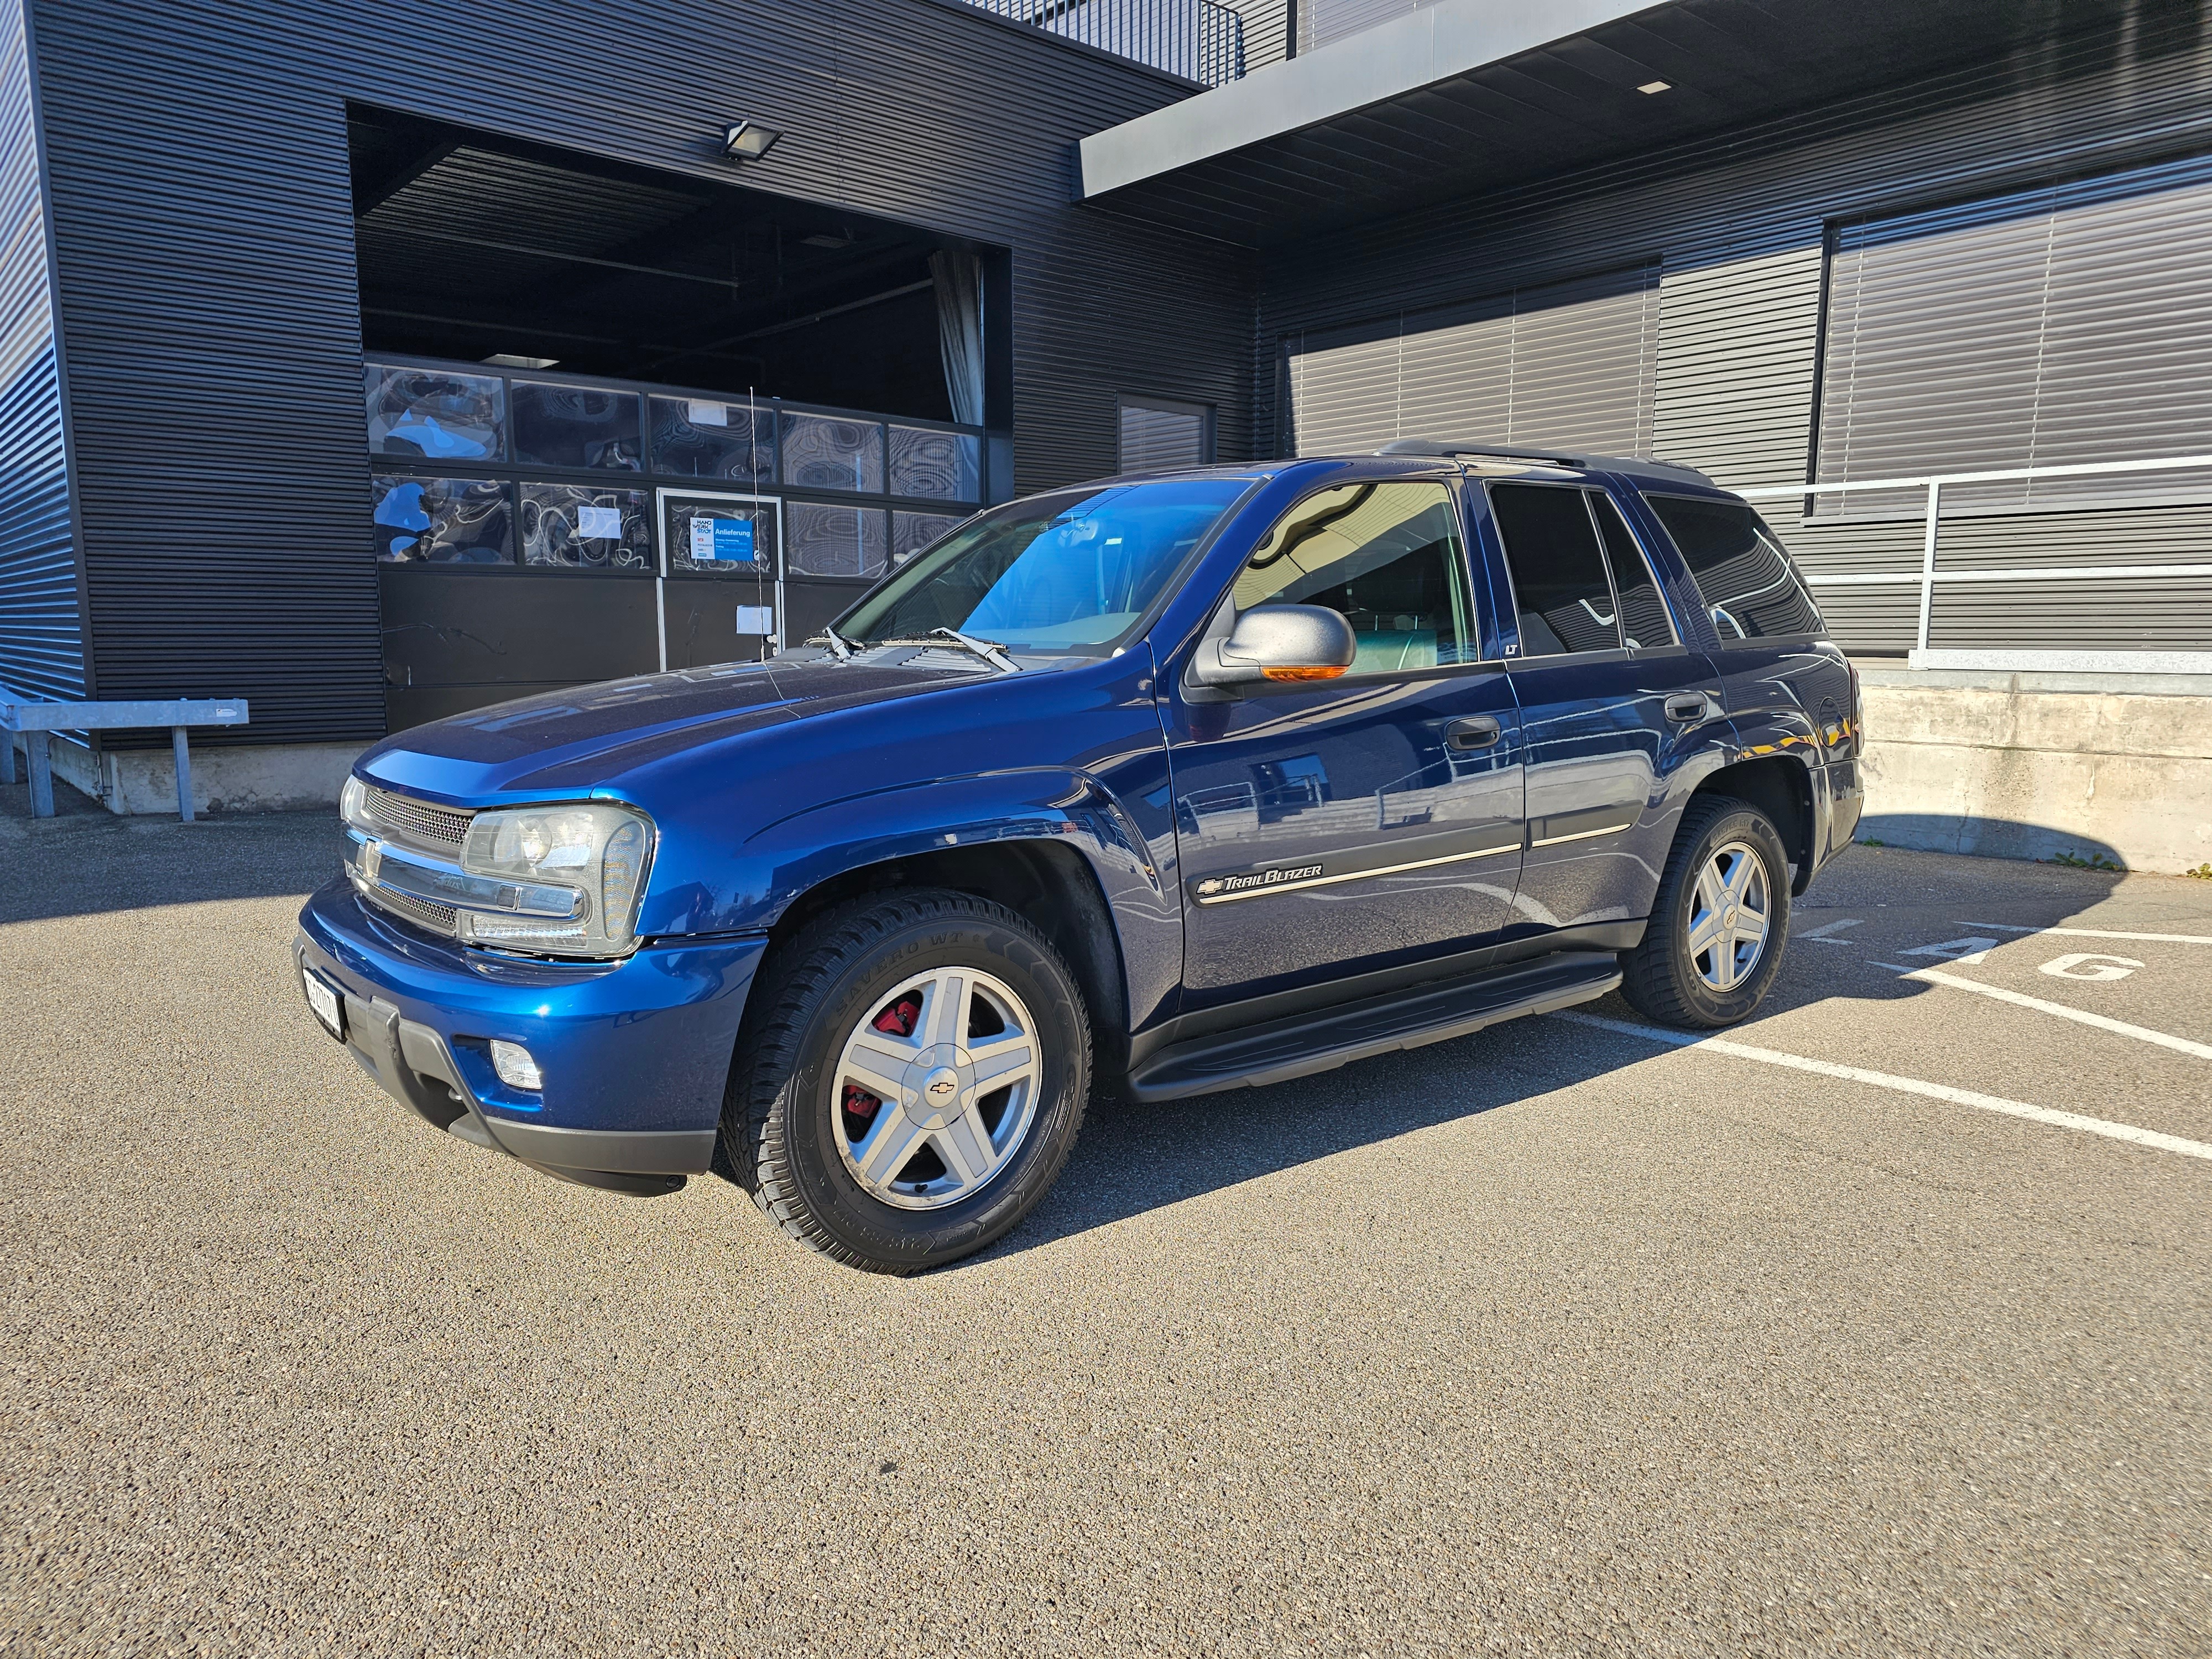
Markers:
635,1053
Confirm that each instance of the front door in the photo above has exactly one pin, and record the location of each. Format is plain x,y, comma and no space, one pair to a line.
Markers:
1364,821
721,568
1608,695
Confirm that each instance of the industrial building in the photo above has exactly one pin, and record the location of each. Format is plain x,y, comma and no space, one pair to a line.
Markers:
374,362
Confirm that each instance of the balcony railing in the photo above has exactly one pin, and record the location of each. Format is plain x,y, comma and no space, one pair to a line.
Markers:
1197,40
1930,573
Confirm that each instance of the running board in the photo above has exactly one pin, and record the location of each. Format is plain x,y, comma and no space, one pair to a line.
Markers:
1254,1056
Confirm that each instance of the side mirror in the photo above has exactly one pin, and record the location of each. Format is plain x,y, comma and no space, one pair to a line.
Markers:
1277,642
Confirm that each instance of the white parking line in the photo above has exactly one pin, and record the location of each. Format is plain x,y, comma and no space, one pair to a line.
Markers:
1906,1086
2079,1016
2093,933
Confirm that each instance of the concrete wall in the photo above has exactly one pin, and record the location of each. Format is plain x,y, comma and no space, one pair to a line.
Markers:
288,777
2033,766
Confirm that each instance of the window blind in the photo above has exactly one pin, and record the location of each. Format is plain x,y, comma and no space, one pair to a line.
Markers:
1158,437
1566,364
2067,324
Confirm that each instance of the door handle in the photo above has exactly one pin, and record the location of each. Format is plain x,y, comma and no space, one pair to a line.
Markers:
1691,706
1474,731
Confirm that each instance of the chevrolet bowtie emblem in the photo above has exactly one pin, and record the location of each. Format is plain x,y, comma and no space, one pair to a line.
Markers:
940,1088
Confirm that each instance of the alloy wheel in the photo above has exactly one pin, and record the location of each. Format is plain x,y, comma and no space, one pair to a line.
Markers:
936,1088
1729,909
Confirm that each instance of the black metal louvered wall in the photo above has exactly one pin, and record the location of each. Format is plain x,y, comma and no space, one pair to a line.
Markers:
41,633
1740,227
204,247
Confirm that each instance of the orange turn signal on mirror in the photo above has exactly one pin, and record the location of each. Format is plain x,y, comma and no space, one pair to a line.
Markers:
1322,673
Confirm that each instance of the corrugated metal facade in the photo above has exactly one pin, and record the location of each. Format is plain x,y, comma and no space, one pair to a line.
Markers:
204,251
41,633
1741,226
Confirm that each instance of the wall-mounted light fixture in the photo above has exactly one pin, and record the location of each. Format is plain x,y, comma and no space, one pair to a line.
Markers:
748,141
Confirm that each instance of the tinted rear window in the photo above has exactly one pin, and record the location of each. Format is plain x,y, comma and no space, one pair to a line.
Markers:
1746,579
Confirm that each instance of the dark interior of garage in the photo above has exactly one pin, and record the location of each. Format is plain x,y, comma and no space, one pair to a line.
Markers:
473,247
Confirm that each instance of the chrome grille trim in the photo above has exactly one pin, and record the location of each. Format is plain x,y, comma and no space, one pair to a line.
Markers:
437,918
439,827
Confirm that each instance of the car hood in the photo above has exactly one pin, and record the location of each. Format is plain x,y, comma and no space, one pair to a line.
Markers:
590,736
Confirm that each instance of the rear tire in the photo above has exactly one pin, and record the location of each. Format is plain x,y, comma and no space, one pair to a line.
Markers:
911,1081
1698,966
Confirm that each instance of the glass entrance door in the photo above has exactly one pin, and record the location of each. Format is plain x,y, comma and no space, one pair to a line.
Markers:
721,578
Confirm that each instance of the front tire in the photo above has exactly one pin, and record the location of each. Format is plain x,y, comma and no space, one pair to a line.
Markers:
1720,922
912,1082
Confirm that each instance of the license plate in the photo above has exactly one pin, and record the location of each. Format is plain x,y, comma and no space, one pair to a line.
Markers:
325,1001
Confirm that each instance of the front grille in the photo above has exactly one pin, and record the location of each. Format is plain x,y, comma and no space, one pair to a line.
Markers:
415,821
437,918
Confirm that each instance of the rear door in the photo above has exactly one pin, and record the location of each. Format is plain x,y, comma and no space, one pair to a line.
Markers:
1330,827
1609,697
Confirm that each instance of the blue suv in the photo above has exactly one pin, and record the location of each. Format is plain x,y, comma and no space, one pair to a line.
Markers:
1166,785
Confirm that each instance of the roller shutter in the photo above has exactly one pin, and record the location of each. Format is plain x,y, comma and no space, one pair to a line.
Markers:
1568,364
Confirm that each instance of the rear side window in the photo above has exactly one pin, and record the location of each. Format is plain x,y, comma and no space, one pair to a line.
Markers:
1560,591
1644,619
1747,580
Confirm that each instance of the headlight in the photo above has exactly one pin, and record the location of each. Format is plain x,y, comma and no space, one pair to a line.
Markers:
598,853
353,802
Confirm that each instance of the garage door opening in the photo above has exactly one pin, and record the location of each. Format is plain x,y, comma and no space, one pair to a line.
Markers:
620,420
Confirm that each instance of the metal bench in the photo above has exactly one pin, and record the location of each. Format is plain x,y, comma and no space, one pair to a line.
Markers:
35,720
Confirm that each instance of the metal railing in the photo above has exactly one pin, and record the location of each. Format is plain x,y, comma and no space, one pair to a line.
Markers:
1935,483
1198,40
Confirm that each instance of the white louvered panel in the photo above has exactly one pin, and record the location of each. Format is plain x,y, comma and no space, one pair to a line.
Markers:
1457,381
1159,439
1344,398
1581,365
2112,364
1927,372
2066,325
1566,364
1736,357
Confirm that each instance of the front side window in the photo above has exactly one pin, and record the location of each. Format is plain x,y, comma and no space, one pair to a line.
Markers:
1386,554
1746,578
1074,571
1561,593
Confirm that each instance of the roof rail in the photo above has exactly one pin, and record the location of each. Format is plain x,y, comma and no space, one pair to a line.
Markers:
1541,454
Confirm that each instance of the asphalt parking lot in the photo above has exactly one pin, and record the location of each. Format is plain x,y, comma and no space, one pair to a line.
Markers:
1881,1328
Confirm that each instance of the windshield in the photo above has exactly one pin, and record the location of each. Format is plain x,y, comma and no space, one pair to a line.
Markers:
1069,572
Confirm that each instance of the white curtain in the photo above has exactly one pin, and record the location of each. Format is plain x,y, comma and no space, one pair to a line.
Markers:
959,280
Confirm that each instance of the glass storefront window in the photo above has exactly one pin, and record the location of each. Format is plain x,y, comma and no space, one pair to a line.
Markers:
835,541
577,527
823,452
721,538
945,466
912,531
699,439
440,520
577,426
434,416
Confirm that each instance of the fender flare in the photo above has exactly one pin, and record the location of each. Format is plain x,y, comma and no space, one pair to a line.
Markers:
1790,735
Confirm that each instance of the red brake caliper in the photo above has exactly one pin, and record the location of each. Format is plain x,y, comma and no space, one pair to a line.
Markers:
895,1020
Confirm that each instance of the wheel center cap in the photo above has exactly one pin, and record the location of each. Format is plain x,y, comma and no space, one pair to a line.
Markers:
937,1102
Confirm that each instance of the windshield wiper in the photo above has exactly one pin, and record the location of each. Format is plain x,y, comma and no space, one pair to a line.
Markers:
993,654
839,648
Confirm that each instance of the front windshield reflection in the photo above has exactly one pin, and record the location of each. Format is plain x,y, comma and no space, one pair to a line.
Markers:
1073,571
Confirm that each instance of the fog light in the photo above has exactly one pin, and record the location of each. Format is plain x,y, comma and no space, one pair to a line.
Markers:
515,1067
